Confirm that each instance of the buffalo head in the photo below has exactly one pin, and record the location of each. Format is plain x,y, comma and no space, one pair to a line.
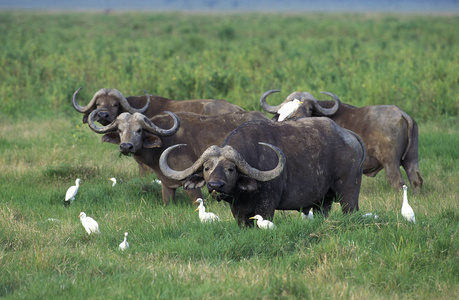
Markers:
224,170
112,100
133,131
308,108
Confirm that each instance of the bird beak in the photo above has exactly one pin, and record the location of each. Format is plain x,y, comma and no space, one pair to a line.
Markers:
252,218
196,209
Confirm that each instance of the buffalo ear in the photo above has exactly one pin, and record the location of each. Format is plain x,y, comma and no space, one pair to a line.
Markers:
112,137
247,184
195,181
85,118
152,141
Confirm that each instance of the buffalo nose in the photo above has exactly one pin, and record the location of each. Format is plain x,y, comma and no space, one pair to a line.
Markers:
215,185
126,148
103,115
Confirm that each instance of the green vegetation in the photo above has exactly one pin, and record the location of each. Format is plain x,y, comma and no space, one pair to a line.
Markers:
365,59
410,61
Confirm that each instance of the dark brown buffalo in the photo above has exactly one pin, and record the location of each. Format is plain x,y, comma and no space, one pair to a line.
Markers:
134,134
390,135
323,163
115,104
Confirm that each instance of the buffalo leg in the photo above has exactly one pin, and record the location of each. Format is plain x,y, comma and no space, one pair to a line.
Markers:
411,166
241,218
325,207
194,194
394,176
411,162
414,176
349,191
167,194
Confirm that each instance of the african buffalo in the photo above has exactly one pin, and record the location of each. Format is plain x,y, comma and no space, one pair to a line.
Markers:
115,103
389,134
142,137
323,162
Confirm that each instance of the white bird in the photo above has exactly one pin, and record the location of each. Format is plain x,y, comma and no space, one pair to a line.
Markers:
288,109
157,181
309,216
263,224
407,211
113,179
124,244
72,191
89,223
203,215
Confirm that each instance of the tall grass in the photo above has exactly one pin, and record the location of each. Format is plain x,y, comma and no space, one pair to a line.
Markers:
366,59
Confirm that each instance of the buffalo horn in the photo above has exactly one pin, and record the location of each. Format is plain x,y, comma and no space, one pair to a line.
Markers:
83,109
152,128
125,104
242,165
265,105
229,153
328,111
104,129
181,175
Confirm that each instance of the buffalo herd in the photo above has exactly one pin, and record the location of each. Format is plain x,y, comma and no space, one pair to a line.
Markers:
315,156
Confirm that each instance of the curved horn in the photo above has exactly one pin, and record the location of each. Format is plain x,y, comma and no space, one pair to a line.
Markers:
328,111
231,154
181,175
83,109
110,127
152,128
265,105
125,104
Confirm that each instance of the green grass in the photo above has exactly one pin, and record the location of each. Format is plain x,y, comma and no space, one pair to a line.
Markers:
365,59
371,59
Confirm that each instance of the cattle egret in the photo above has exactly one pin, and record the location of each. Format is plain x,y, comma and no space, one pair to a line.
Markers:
157,181
72,191
288,109
407,211
124,244
113,179
89,223
203,215
263,224
309,216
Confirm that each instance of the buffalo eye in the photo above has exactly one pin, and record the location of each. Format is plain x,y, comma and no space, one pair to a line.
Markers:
206,169
138,131
230,170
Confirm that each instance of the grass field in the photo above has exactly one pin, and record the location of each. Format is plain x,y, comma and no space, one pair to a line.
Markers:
365,59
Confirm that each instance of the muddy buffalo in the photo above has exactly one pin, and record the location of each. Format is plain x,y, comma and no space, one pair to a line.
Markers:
323,163
115,104
111,103
146,139
390,135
